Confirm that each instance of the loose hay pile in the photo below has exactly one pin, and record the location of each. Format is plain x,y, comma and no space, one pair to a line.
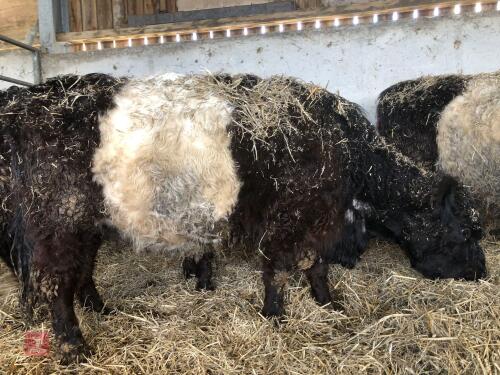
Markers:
394,321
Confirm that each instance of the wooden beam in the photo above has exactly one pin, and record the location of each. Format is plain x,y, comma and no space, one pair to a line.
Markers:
135,7
119,13
151,6
168,6
19,20
308,4
104,14
209,14
89,15
75,16
340,12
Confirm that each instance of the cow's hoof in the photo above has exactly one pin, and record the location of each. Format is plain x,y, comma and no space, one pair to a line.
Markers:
205,285
273,311
189,267
70,353
336,304
323,300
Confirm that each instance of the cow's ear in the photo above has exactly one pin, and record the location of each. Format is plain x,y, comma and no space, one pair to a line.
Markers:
443,198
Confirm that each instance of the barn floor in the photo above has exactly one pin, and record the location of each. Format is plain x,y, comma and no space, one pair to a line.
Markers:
393,322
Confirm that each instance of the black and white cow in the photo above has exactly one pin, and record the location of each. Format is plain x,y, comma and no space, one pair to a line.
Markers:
175,162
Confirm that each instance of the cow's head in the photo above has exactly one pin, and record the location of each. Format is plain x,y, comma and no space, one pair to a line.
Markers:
444,242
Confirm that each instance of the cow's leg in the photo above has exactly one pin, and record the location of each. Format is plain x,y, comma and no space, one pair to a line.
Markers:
57,268
274,287
204,272
64,322
89,297
189,267
318,279
202,269
87,293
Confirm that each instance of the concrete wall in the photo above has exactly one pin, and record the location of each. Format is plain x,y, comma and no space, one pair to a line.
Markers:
356,61
16,64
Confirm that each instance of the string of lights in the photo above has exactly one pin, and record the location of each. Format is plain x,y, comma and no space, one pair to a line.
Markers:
290,26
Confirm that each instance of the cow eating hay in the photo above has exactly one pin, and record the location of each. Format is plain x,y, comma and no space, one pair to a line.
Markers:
177,161
452,122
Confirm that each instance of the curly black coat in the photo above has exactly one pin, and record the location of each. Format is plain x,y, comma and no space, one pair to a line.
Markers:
297,192
50,205
409,111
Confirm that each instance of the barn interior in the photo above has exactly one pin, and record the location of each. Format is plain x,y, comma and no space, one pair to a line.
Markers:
391,320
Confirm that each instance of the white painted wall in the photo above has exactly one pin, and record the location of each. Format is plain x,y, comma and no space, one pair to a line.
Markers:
357,62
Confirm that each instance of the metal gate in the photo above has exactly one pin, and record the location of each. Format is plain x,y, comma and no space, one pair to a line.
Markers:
37,66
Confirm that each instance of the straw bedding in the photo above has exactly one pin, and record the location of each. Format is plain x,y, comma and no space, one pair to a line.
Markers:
394,321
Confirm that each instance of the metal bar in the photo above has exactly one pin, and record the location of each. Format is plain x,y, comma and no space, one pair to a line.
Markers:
6,39
37,62
64,16
46,25
15,81
37,67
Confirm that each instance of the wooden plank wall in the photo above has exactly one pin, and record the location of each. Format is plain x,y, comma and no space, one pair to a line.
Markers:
18,20
89,15
308,4
187,5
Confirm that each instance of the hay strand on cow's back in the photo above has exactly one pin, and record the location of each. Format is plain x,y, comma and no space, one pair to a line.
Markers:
268,107
393,321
